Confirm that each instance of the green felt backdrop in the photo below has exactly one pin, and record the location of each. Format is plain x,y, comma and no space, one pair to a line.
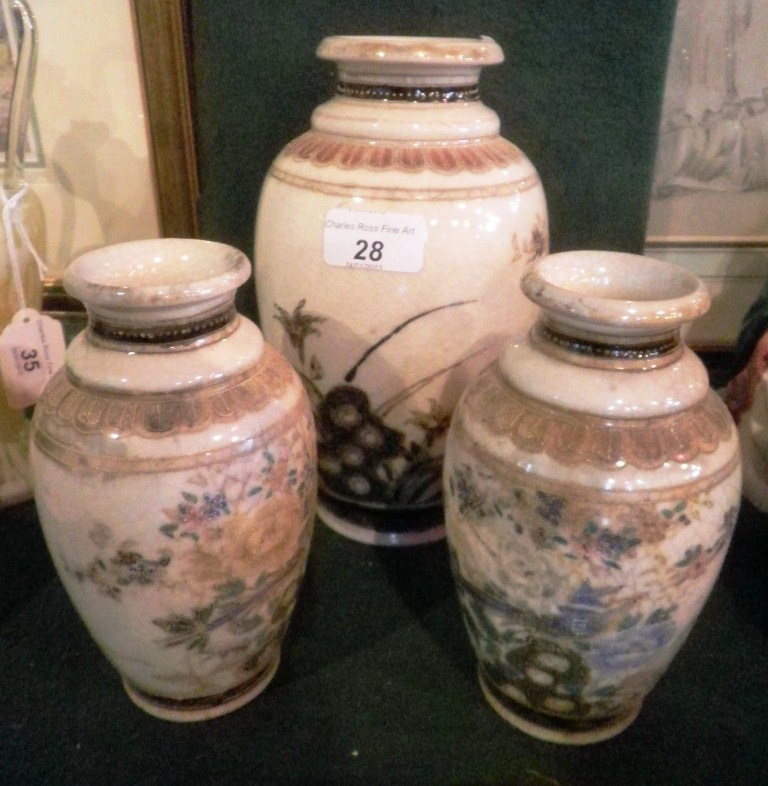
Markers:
580,92
376,687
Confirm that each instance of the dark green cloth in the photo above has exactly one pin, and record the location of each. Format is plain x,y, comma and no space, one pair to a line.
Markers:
580,92
752,329
377,686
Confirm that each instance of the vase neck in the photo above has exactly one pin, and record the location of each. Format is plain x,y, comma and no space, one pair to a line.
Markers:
586,346
163,333
403,87
405,120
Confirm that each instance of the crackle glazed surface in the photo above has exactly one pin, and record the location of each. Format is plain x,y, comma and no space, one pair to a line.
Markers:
407,164
175,482
592,483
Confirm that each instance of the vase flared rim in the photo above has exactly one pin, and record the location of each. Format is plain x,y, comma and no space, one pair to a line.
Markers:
156,272
411,50
616,290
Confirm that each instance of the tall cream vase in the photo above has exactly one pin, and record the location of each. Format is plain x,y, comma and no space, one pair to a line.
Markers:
390,241
592,486
174,473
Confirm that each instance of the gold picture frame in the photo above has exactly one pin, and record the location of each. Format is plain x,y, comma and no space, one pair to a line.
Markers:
164,59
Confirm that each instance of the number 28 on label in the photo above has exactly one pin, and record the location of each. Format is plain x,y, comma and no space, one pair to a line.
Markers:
374,241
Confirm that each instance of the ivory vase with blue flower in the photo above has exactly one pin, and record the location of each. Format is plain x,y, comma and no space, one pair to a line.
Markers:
175,476
592,485
390,240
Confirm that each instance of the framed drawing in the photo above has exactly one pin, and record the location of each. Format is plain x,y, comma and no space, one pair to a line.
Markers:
709,205
96,182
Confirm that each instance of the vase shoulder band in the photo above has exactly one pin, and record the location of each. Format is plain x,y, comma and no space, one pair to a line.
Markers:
437,94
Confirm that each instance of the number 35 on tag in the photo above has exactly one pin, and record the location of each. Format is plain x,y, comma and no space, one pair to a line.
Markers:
31,352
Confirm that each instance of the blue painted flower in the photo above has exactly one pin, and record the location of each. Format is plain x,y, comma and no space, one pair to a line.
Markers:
631,648
214,505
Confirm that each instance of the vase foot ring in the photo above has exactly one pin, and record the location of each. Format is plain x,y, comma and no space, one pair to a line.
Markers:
551,729
373,536
204,707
